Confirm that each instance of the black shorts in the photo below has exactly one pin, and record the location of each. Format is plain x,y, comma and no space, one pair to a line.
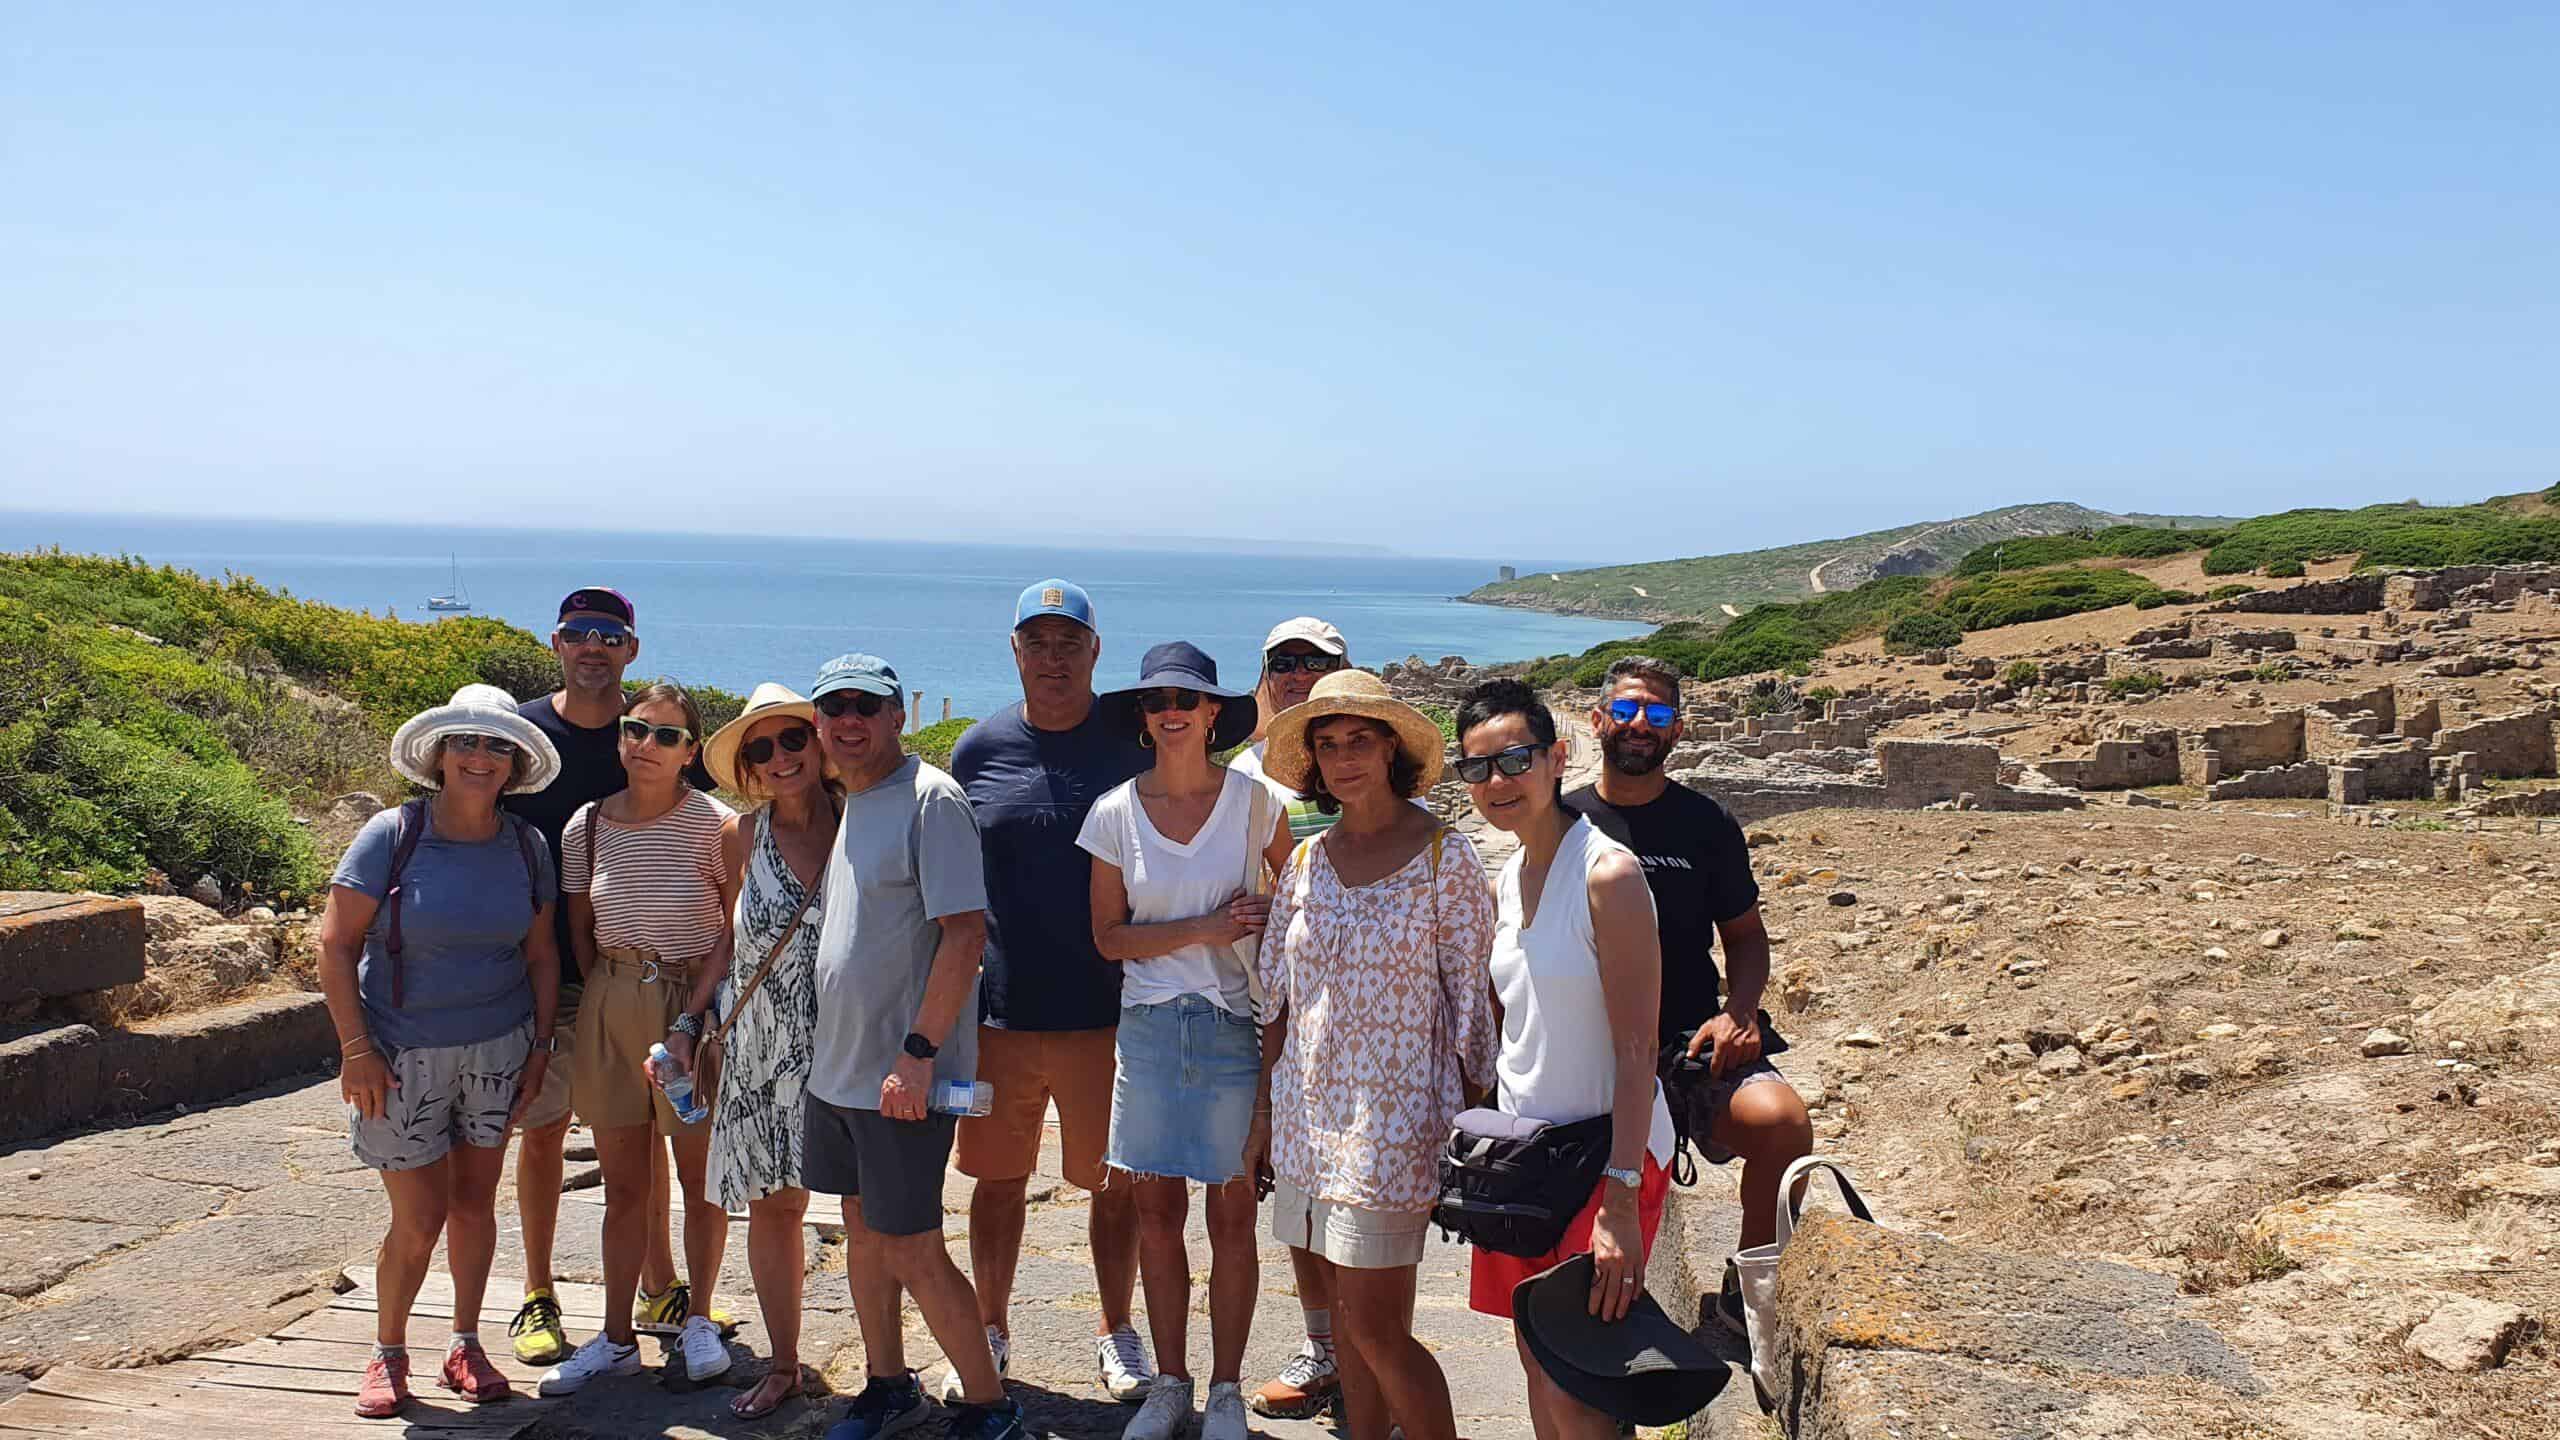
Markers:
895,1167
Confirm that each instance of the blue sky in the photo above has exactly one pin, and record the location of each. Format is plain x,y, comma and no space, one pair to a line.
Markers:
1617,282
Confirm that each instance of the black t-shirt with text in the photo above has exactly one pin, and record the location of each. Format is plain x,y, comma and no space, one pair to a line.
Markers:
590,769
1700,873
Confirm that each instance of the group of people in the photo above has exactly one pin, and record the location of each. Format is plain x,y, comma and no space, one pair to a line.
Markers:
1215,928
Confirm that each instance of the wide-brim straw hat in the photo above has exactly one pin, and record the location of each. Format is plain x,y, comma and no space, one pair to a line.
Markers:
720,752
1286,758
1181,665
474,710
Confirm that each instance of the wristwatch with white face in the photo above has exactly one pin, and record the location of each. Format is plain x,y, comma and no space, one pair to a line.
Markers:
1632,1179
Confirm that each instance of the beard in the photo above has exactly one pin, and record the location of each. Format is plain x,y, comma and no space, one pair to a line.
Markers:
1633,755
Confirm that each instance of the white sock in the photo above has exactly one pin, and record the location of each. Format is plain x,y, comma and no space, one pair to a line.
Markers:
1319,1333
462,1338
390,1352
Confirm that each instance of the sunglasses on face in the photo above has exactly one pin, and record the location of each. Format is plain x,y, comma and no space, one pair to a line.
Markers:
503,749
667,736
760,749
1477,769
613,638
860,702
1655,714
1306,664
1156,702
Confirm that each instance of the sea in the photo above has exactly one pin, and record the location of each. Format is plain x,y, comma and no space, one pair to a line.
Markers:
733,611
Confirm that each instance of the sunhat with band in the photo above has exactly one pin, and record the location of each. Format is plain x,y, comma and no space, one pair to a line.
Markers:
474,710
1287,759
720,752
1181,665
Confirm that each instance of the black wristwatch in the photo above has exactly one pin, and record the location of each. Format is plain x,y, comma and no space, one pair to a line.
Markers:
920,1047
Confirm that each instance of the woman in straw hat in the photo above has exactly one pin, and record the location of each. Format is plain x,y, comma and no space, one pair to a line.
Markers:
1377,1024
1179,859
442,976
763,987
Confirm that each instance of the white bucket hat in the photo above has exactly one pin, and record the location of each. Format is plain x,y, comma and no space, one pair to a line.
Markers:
474,710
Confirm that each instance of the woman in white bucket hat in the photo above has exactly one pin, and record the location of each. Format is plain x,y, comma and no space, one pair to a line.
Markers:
442,977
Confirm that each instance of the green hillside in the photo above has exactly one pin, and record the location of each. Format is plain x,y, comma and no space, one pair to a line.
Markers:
1701,587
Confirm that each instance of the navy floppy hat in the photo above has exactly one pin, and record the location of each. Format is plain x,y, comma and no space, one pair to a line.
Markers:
1644,1368
1181,665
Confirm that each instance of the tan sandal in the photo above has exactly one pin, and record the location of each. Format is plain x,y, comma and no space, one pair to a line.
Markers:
745,1406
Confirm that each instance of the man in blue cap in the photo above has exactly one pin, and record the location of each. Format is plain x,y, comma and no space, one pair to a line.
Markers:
897,966
1050,1007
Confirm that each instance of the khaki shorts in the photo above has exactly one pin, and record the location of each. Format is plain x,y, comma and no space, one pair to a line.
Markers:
551,1103
1352,1236
625,1010
1030,1068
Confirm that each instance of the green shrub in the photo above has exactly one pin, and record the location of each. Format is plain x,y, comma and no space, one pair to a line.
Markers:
2283,569
2402,534
933,742
2140,682
1445,718
2273,672
1821,695
1922,630
1990,602
2019,674
1770,697
2158,598
2225,592
2116,542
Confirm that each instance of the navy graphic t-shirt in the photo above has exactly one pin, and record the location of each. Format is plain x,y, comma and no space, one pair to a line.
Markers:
1030,789
590,769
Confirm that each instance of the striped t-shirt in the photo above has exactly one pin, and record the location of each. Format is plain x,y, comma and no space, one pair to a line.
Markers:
655,885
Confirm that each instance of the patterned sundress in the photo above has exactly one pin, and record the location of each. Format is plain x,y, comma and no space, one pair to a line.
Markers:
755,1131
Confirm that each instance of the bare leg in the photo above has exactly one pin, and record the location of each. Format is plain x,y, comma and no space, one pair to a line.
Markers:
658,1271
1767,1126
1111,1227
1164,1266
923,1269
471,1227
417,1217
1374,1309
998,1210
1554,1414
1235,1276
706,1225
628,1153
1364,1404
875,1296
538,1179
778,1259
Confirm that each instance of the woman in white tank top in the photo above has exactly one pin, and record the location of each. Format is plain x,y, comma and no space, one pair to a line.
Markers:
1577,971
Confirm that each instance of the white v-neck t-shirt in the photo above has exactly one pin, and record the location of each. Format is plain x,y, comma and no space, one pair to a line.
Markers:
1167,881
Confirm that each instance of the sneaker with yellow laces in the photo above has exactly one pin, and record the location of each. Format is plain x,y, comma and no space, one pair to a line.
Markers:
539,1340
664,1313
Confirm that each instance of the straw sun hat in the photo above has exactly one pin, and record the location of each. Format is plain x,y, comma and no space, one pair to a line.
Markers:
1348,692
474,710
720,752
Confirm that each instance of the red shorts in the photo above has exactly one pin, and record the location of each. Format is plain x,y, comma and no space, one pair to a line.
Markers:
1492,1275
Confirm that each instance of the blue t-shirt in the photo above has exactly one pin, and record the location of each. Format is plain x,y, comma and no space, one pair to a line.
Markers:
464,911
1030,789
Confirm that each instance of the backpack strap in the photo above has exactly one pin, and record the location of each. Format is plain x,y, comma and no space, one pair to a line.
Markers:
532,872
408,829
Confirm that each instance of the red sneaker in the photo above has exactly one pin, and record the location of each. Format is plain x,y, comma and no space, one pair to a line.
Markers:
385,1388
468,1373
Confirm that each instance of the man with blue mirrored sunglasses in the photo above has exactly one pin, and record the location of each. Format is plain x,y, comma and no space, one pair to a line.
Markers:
1699,871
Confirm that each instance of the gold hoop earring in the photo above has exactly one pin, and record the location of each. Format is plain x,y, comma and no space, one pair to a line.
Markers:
1146,738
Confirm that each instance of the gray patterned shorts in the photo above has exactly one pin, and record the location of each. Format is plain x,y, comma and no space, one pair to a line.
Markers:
443,1094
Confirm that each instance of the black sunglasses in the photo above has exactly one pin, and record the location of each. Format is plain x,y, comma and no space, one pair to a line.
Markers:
503,749
667,736
860,702
760,749
613,639
1155,702
1477,769
1311,664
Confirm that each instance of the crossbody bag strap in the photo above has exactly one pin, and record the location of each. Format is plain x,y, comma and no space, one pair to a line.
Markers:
808,897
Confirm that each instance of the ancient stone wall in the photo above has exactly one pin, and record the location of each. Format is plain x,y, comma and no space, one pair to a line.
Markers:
2128,763
2237,641
2509,746
2347,595
2438,589
2244,745
2304,780
1922,772
2382,700
2392,772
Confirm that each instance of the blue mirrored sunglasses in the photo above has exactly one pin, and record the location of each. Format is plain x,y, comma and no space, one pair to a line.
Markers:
1655,713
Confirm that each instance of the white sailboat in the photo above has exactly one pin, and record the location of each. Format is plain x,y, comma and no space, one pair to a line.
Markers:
455,597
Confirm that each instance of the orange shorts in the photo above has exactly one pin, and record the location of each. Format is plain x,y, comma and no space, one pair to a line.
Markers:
1492,1275
1030,1069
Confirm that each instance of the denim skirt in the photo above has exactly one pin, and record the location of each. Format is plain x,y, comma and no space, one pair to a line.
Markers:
1182,1104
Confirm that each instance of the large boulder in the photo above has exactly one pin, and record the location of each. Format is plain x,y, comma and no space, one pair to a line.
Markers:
2511,1013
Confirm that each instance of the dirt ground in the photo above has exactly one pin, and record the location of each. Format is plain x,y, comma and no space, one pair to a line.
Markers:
2140,1035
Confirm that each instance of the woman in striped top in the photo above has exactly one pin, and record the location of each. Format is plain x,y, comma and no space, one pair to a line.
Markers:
648,902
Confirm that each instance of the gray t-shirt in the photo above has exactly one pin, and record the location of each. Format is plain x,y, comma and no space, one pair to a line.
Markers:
464,909
905,857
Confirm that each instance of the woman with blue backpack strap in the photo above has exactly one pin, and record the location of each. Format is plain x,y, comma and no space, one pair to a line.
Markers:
442,975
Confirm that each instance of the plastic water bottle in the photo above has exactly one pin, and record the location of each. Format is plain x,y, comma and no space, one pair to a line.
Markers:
963,1097
678,1085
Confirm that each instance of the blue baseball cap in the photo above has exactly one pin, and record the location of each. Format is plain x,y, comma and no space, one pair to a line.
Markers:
856,671
1054,597
598,600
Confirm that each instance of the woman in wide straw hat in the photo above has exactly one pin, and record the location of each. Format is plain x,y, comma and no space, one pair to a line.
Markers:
1376,1025
1179,859
764,986
442,976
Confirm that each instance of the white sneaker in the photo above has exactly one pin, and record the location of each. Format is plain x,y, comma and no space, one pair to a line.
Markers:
705,1355
1167,1413
597,1358
1122,1359
1224,1419
953,1390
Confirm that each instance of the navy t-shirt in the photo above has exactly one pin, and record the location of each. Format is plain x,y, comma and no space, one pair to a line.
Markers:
1030,789
590,769
1699,870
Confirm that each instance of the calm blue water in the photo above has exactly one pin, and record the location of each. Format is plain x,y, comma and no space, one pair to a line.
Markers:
732,611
